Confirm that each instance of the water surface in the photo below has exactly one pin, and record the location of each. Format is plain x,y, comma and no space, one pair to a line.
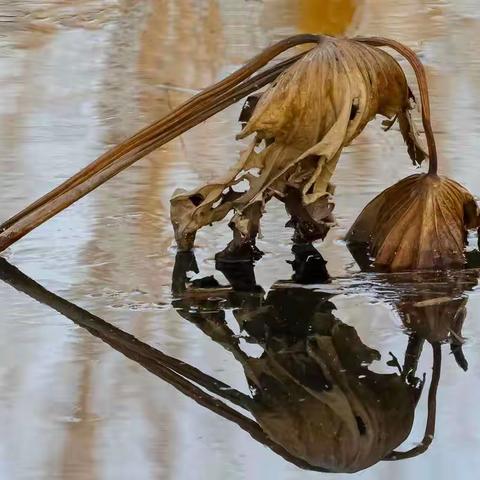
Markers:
78,77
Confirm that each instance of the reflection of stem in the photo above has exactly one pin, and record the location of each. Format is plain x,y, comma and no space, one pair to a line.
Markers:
116,337
169,369
432,410
184,262
412,355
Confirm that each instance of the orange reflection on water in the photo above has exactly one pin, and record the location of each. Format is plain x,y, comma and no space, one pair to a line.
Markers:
331,17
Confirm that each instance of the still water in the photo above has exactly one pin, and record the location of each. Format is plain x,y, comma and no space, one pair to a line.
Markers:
80,398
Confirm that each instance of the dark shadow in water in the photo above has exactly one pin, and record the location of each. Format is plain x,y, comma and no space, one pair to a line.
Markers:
315,401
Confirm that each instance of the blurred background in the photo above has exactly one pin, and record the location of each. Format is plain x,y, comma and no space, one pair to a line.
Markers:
79,76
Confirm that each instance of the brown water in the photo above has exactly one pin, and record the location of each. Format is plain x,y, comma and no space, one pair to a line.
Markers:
77,77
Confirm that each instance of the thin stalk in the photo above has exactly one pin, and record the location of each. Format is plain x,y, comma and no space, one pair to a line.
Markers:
36,215
113,335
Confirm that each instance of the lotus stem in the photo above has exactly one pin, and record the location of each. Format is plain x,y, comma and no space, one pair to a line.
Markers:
199,108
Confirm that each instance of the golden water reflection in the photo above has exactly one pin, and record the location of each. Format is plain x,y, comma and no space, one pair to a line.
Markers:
332,17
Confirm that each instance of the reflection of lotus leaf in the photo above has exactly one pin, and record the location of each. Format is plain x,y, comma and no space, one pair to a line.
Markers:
345,422
313,394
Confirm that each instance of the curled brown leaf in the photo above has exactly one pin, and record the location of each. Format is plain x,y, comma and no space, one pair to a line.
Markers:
300,125
419,223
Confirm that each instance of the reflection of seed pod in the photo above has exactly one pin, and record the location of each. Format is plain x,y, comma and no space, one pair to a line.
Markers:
434,319
433,306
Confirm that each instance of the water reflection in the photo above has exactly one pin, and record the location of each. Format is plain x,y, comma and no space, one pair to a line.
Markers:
312,387
314,395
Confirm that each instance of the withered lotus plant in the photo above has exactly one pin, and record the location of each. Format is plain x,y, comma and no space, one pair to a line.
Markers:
422,221
300,125
315,103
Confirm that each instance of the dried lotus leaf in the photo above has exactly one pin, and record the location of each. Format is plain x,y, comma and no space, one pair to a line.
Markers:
304,120
420,223
325,100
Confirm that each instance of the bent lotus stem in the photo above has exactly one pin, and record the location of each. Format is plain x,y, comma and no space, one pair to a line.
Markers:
421,76
196,110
